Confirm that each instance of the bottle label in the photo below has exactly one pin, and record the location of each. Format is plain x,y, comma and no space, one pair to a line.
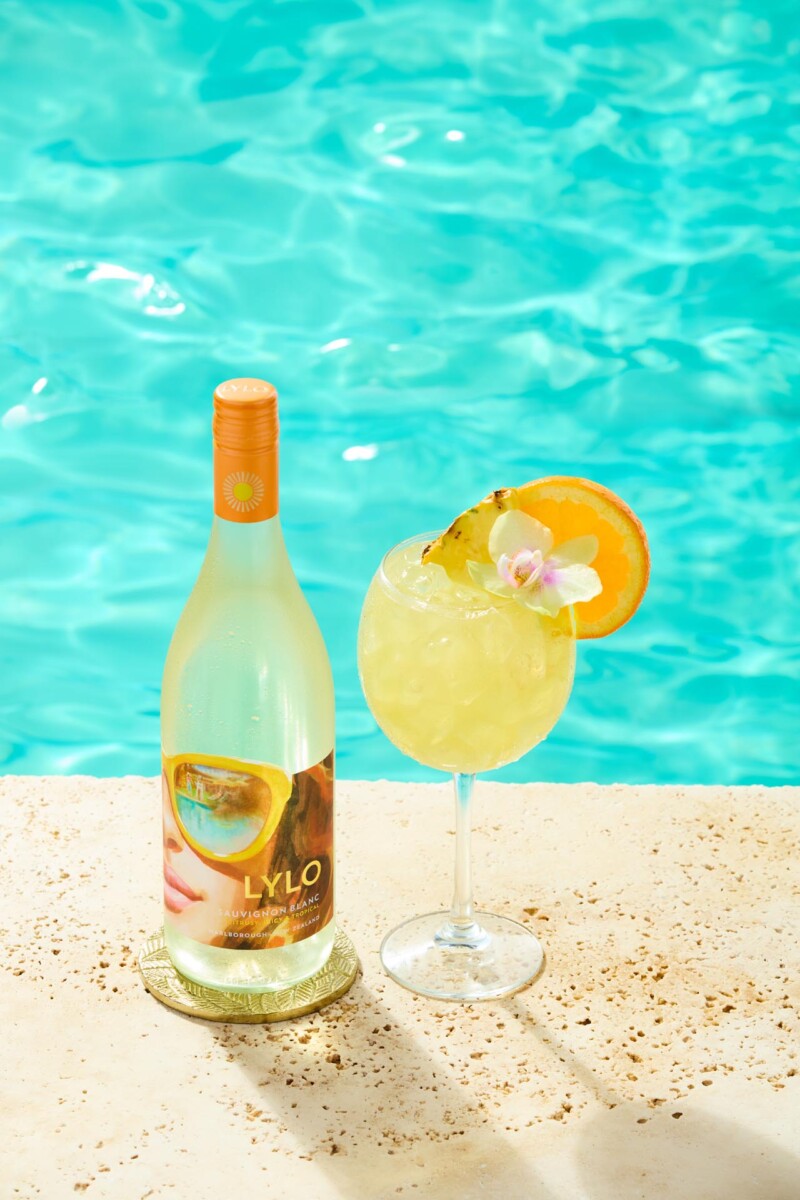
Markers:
248,851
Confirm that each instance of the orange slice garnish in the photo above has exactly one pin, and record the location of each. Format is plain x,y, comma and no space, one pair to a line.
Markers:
572,507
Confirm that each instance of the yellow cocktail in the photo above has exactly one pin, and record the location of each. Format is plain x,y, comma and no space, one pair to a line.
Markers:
457,678
467,652
465,681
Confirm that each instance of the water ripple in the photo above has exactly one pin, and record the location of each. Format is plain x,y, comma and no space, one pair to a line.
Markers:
471,244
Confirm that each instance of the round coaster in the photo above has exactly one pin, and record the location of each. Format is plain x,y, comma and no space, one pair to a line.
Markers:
163,981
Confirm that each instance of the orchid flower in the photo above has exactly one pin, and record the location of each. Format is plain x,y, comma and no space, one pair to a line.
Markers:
526,567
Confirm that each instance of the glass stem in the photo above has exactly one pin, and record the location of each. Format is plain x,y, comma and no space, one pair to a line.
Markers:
462,908
461,928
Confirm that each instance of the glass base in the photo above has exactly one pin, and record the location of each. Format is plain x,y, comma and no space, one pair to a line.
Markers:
487,957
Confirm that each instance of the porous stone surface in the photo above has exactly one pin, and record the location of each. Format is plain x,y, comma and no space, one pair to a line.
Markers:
656,1056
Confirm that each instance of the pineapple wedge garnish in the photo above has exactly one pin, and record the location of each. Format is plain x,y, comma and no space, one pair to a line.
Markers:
467,539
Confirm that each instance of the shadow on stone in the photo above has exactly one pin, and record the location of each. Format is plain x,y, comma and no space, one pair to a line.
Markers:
365,1101
634,1153
583,1074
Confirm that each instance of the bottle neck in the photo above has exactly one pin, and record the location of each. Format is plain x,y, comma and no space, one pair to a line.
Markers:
242,551
245,483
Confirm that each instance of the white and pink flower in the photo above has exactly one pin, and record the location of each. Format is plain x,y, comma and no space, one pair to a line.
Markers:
527,568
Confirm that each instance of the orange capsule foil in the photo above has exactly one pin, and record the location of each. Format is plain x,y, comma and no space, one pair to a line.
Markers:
245,429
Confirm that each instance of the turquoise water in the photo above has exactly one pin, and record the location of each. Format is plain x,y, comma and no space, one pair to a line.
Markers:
471,243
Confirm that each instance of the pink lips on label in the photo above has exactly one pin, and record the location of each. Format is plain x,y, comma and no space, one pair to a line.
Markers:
177,893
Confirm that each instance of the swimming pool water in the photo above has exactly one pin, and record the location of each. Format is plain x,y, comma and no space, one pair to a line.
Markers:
471,243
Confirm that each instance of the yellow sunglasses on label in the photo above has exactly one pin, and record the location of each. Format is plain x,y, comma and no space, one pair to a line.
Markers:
226,810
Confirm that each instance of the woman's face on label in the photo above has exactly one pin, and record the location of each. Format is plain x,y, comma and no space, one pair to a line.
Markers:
196,895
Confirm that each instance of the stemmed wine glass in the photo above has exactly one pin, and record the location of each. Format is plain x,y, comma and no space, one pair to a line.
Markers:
463,681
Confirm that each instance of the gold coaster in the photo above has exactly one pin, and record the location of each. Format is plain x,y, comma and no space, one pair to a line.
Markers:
163,981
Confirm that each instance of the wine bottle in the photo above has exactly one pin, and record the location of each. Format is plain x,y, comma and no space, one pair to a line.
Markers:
247,723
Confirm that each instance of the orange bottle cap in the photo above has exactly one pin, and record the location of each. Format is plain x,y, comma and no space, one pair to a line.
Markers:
245,428
245,415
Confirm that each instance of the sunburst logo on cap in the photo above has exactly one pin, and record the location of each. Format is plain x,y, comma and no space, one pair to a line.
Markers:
243,491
